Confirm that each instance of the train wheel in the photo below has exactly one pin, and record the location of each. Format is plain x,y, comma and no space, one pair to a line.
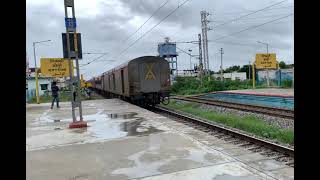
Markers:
165,100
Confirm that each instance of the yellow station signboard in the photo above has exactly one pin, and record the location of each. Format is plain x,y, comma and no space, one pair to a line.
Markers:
55,67
266,61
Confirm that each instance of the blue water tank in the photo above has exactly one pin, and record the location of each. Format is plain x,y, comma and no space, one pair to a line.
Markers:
167,49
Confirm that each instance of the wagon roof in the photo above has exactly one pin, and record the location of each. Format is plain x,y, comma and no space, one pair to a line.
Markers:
130,61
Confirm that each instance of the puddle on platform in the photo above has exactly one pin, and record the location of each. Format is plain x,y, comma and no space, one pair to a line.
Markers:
128,115
136,128
109,126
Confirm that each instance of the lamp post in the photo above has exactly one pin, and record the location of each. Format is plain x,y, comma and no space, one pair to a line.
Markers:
268,81
35,67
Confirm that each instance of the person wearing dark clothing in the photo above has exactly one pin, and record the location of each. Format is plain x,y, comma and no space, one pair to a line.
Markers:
55,94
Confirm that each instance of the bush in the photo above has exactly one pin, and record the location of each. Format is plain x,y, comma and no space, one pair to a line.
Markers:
192,85
286,83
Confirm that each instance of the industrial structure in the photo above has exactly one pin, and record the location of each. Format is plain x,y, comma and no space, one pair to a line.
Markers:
205,29
168,51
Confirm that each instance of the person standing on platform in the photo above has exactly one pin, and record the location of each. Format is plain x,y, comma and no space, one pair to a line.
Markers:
55,94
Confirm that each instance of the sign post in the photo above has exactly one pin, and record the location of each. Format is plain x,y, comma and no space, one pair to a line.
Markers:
253,77
266,61
55,67
74,82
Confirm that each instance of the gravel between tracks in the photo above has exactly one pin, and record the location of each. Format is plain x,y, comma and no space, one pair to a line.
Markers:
276,121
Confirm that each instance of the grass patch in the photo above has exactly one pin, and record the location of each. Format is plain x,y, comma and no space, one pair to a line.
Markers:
64,96
193,85
249,124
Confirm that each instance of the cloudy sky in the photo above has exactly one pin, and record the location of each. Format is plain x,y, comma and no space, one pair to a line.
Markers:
105,26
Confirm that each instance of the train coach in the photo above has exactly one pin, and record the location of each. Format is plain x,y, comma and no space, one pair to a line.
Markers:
144,80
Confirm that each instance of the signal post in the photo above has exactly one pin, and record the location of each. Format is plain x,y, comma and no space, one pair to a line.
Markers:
74,81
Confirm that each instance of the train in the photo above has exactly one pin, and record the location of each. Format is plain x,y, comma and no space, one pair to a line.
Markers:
143,81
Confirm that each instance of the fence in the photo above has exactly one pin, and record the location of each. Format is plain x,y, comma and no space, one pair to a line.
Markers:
281,77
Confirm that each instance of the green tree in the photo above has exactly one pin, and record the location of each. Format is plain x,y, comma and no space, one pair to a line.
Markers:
232,69
245,68
282,65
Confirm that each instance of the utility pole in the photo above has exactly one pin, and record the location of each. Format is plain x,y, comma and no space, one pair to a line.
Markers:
190,59
292,77
253,77
200,55
205,29
221,69
36,72
74,83
249,70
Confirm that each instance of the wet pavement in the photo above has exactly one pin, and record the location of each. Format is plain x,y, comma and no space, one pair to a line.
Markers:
123,141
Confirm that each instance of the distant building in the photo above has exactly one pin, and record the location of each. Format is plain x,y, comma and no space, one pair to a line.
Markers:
232,76
44,84
188,73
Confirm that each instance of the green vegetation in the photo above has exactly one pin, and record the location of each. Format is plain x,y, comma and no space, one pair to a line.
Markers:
64,96
249,124
192,85
286,83
283,65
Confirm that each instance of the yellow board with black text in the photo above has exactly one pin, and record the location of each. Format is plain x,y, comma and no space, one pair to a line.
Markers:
55,67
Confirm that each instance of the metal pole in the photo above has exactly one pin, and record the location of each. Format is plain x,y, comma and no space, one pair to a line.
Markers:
190,58
77,66
36,73
253,77
268,79
200,56
74,119
249,70
221,65
190,62
293,77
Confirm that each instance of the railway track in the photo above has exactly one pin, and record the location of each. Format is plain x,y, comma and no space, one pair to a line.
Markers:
283,113
269,149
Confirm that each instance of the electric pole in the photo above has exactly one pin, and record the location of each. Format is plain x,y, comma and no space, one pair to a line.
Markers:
74,82
249,70
200,56
190,59
221,69
205,29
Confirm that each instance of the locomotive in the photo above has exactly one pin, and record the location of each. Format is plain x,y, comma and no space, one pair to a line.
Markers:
143,81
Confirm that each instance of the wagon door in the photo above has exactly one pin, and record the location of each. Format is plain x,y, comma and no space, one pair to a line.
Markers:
149,76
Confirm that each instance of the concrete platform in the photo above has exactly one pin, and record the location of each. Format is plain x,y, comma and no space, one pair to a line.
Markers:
123,141
266,91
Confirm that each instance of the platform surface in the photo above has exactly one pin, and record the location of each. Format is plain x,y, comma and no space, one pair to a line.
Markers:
123,141
266,91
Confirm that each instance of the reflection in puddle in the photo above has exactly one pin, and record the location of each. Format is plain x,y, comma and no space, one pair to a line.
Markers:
128,115
136,128
111,126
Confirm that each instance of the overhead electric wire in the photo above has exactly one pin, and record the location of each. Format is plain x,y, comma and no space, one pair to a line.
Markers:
152,28
242,12
252,27
93,60
146,21
248,14
141,25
